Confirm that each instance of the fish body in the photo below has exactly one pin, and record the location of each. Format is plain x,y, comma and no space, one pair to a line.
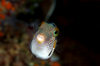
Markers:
44,41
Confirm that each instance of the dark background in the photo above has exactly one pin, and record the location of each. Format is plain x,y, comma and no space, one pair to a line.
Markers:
78,40
79,21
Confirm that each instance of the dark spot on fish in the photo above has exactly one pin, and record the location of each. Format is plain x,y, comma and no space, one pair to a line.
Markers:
53,24
50,53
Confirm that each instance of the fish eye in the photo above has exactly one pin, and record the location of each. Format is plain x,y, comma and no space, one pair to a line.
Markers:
53,24
56,33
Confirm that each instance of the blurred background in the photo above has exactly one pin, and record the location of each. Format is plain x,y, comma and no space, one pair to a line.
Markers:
78,22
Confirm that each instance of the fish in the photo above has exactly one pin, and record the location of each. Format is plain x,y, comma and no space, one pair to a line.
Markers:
44,41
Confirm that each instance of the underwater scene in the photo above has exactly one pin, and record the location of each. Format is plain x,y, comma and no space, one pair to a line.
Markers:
49,33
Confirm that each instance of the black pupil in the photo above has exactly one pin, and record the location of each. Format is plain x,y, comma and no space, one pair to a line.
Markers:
56,32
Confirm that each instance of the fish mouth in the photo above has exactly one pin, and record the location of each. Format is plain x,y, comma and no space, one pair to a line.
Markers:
47,51
50,53
52,49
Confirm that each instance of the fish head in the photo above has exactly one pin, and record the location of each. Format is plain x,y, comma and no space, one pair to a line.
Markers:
44,41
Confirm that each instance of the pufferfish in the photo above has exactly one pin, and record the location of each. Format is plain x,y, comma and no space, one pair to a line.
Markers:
44,41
